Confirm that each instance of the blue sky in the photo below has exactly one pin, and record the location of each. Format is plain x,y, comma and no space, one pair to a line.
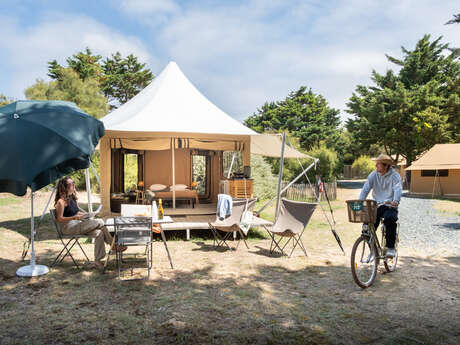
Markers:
239,54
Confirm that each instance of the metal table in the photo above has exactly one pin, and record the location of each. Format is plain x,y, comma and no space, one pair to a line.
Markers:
132,221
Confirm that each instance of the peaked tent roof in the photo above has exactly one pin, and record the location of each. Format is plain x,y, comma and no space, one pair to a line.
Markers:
170,103
440,156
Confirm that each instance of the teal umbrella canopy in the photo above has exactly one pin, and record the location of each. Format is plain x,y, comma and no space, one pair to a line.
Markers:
41,141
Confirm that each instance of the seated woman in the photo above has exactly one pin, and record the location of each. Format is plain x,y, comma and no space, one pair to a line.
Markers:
71,223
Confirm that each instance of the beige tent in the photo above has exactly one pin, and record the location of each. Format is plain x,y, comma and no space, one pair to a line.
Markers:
166,124
437,172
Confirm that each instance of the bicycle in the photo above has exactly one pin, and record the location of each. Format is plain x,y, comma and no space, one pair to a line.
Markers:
367,251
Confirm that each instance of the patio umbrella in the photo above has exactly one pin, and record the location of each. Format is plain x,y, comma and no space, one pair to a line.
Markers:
41,142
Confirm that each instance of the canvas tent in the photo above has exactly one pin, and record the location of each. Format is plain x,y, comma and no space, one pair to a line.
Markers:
165,124
437,172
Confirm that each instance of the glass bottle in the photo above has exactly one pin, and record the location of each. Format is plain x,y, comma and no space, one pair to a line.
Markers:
161,212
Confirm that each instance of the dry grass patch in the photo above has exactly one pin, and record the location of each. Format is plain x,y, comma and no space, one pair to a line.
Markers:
226,297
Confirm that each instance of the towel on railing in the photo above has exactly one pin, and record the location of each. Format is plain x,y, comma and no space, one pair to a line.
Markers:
224,205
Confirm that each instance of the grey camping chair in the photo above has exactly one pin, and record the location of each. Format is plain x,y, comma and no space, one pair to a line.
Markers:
291,223
68,245
134,230
231,223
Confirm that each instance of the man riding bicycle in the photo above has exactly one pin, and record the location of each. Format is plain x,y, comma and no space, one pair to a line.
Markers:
385,183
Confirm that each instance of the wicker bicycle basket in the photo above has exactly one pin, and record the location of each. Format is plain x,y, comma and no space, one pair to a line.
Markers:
362,211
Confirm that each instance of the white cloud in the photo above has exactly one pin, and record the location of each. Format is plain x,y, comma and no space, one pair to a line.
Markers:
58,36
243,55
149,7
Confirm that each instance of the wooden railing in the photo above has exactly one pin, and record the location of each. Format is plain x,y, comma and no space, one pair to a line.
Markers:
305,192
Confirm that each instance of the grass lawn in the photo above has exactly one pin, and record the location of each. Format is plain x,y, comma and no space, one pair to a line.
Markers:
225,297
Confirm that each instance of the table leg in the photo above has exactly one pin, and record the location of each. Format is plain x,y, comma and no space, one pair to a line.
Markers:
108,254
166,246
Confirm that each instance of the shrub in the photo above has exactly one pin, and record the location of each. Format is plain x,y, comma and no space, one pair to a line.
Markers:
265,183
364,165
328,163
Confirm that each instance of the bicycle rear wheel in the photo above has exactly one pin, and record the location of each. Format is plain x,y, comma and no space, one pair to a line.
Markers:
364,262
390,263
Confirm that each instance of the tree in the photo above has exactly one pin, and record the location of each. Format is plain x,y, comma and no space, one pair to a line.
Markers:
407,113
85,64
304,114
455,20
5,100
124,77
69,87
120,78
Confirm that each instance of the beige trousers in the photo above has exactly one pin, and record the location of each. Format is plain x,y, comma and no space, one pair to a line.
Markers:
93,228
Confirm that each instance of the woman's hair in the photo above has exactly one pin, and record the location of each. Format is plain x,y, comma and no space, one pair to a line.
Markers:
61,190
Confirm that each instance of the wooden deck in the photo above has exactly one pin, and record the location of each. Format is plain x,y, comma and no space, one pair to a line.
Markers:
201,209
197,218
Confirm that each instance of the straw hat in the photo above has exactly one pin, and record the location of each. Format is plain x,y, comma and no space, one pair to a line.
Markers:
385,159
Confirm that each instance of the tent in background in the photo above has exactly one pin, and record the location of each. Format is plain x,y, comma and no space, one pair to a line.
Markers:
437,171
165,124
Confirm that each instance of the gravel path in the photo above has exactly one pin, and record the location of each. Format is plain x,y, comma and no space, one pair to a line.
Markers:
426,229
423,228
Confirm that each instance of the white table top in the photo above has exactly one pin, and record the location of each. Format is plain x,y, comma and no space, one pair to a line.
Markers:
166,219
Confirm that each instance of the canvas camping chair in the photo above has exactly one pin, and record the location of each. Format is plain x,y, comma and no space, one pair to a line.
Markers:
72,240
291,223
231,223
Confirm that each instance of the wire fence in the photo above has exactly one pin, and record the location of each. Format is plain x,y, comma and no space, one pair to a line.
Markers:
305,192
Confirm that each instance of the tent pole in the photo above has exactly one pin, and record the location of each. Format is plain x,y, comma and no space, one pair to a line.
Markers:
173,149
88,190
32,269
231,165
280,176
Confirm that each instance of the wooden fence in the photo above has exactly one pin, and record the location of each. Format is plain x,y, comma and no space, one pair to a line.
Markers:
305,192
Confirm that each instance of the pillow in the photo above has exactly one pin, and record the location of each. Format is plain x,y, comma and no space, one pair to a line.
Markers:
178,187
158,187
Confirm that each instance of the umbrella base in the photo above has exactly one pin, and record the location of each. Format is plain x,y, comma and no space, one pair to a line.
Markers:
32,270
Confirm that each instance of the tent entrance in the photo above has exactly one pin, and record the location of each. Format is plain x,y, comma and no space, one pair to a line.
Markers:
201,173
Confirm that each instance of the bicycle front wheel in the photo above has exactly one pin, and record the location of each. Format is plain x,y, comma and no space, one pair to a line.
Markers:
364,262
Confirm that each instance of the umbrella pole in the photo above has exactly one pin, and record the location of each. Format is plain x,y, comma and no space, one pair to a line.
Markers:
32,270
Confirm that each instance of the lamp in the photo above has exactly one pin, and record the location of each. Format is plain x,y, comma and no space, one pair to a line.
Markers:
140,184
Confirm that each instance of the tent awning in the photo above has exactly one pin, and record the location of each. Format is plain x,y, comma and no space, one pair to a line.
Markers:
269,145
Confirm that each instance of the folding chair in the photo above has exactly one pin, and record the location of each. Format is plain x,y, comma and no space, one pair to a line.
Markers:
134,228
72,240
231,223
291,223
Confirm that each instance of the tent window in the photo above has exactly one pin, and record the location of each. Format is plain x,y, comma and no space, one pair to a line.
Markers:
432,173
227,161
201,172
131,171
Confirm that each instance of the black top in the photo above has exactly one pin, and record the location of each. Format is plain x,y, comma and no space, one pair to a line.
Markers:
71,209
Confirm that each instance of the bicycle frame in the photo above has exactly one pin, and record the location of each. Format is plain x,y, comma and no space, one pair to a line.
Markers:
371,232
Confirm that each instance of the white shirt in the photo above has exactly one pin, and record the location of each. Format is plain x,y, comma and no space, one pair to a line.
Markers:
384,187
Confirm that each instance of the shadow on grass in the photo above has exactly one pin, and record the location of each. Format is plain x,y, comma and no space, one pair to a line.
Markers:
273,304
449,226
